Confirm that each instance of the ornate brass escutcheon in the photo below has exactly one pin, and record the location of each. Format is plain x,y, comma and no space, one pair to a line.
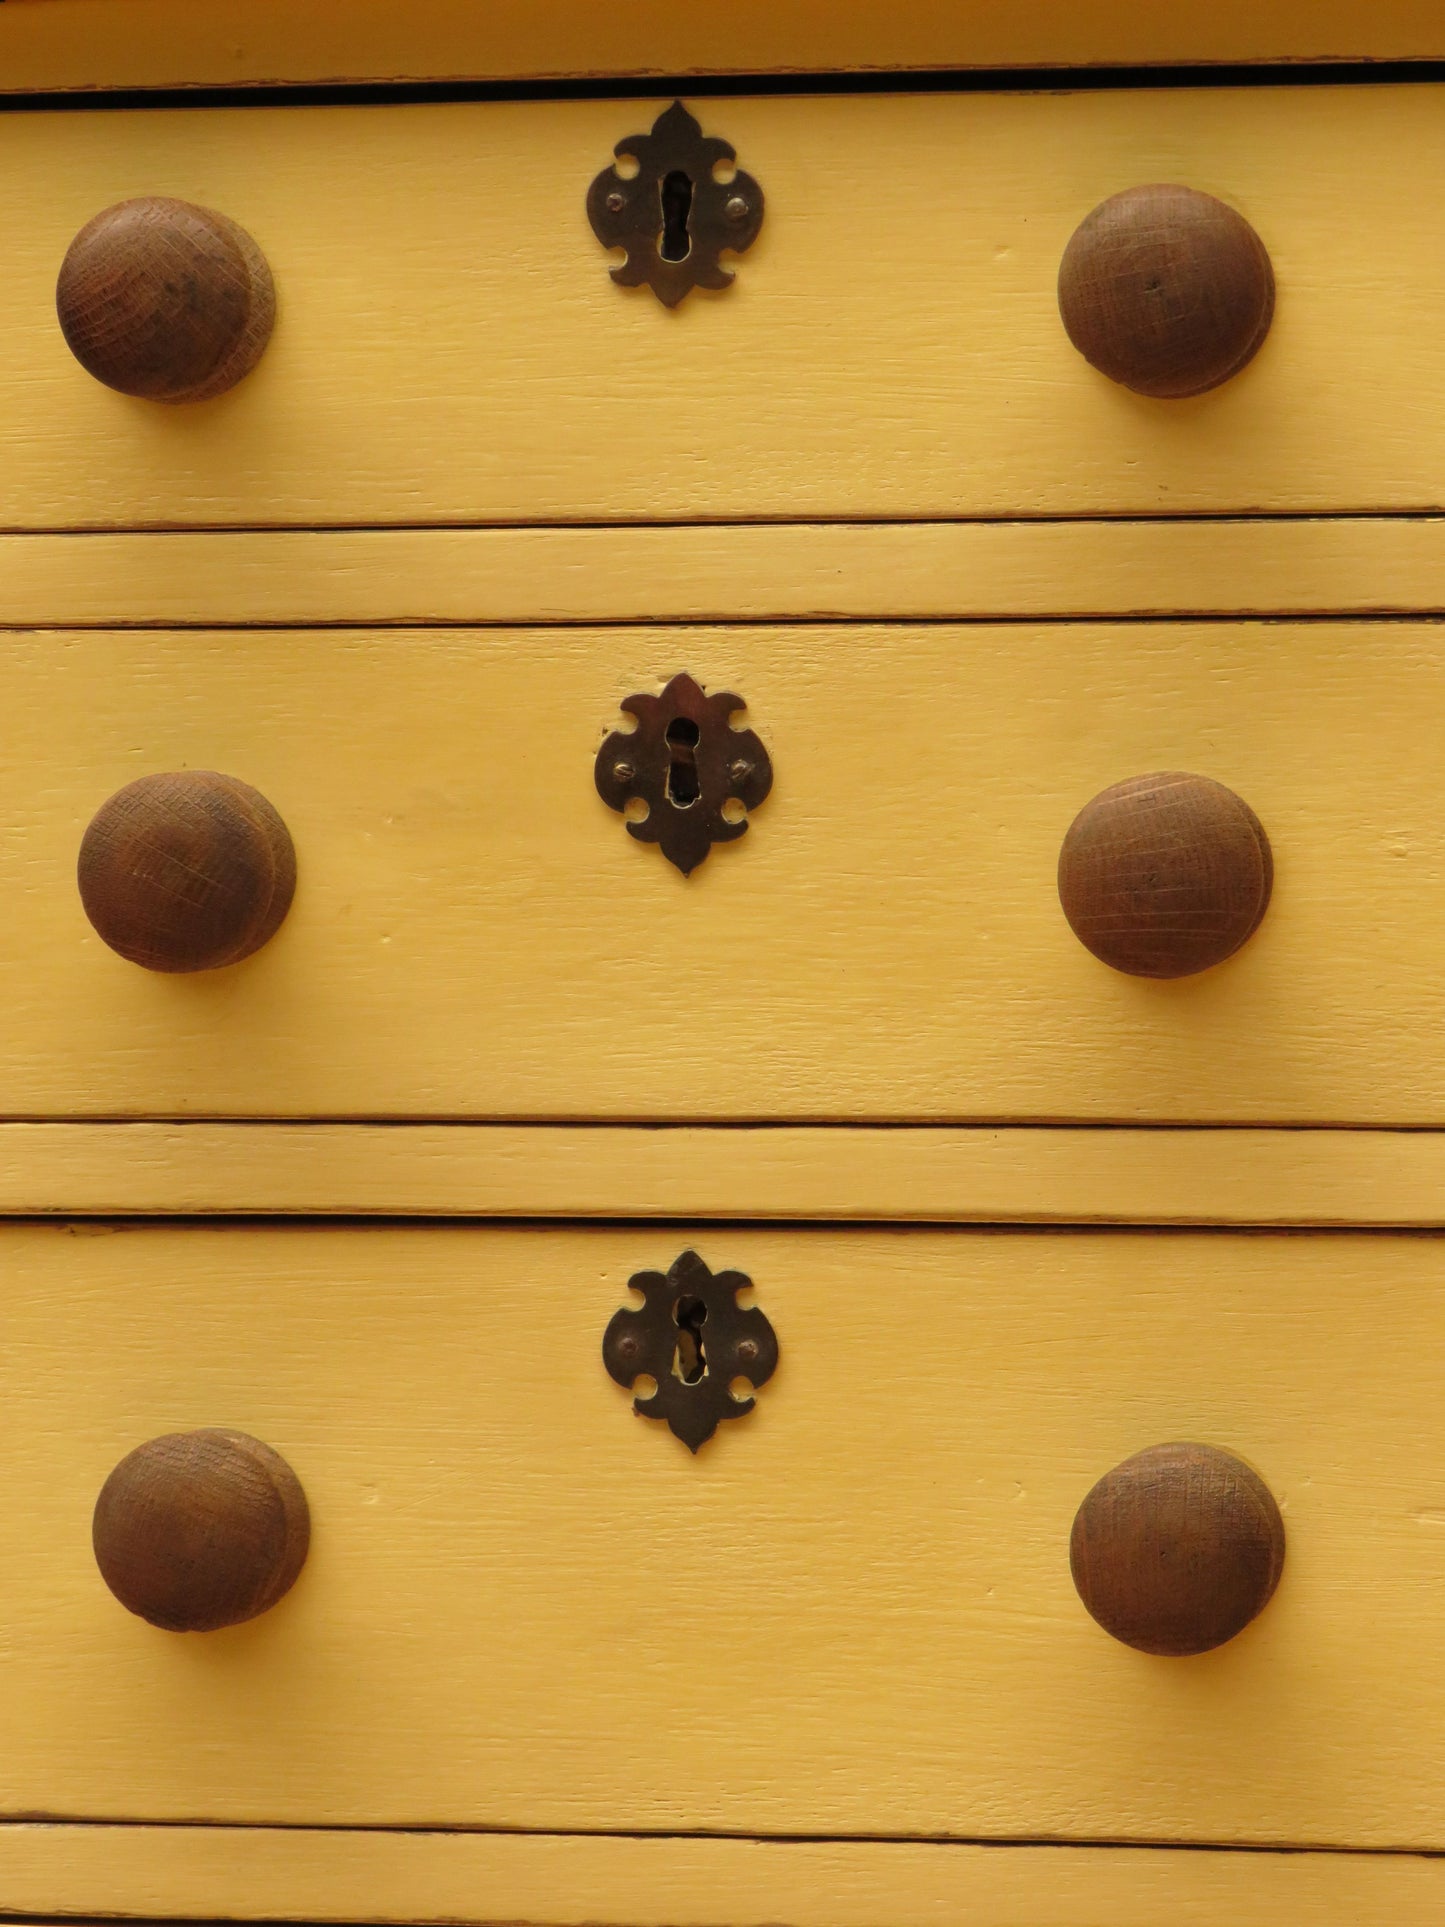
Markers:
674,216
693,1339
687,763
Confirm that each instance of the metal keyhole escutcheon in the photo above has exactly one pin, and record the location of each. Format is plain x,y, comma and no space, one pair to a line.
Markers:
693,1339
674,217
687,763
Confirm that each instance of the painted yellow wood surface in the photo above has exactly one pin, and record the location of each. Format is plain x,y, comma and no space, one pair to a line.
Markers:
847,1173
557,1881
850,1614
174,43
728,572
450,346
476,935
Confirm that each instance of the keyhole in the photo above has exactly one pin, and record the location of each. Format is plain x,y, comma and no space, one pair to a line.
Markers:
682,783
676,212
689,1361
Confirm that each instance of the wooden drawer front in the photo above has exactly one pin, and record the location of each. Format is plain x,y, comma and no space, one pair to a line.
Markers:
850,1613
166,43
475,933
450,346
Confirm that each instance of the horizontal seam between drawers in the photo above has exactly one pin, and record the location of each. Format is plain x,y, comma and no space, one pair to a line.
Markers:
563,1127
1125,518
1062,1843
1114,77
1234,618
559,1127
318,1221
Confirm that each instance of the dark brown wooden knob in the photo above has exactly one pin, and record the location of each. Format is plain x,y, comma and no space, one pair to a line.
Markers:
1166,290
162,299
186,871
1177,1549
1165,875
199,1530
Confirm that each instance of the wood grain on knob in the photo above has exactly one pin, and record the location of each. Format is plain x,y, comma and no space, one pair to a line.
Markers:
186,871
199,1530
1166,290
1177,1549
165,300
1165,875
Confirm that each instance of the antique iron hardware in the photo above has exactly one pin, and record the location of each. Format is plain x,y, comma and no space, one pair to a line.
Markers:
692,1338
674,216
687,763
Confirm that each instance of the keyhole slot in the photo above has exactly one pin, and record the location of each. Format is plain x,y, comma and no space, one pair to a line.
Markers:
682,785
689,1360
676,215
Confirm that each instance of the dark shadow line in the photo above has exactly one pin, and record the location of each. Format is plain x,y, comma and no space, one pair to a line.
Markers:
649,86
1062,1843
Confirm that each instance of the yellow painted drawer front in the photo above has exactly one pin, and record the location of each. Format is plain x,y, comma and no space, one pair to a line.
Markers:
851,1613
172,43
475,933
449,344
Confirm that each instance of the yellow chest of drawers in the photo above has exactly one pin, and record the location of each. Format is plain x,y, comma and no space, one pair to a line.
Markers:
753,1080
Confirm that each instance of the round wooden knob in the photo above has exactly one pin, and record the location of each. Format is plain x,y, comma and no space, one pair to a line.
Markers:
186,871
1177,1549
1166,290
162,299
1165,875
198,1530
